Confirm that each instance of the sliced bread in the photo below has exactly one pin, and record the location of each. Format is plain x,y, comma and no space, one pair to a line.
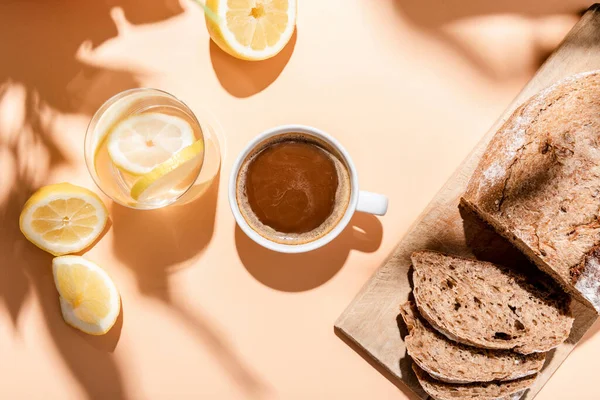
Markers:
452,362
538,183
485,305
510,390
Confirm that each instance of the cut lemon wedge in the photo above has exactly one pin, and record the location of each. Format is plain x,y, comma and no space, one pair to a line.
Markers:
251,29
89,299
63,218
171,174
140,143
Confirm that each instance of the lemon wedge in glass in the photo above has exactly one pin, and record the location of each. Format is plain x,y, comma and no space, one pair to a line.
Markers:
89,299
172,175
63,218
251,29
141,142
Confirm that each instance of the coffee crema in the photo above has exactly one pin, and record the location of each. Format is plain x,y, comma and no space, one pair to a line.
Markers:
293,189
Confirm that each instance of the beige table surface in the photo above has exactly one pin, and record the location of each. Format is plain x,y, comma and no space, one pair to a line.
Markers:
407,86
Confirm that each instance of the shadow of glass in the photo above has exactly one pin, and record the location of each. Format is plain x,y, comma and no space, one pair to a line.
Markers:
243,376
155,243
305,271
246,78
152,243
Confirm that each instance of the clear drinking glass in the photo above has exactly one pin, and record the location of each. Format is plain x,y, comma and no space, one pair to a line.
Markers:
160,157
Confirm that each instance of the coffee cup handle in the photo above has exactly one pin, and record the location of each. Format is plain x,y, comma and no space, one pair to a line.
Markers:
372,203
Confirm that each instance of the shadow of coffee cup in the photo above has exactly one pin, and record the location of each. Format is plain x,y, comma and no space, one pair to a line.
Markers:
307,271
358,201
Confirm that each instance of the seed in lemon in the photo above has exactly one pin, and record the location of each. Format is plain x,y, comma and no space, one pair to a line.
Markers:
171,174
63,218
251,29
141,142
89,299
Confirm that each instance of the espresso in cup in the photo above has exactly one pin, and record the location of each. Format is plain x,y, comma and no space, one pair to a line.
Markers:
293,188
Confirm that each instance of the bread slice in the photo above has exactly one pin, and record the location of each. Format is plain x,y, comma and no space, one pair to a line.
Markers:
538,183
452,362
474,391
484,305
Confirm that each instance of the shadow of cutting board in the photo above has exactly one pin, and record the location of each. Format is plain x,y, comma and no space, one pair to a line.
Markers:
371,324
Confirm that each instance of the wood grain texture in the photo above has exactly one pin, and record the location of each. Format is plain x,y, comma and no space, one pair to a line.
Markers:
371,325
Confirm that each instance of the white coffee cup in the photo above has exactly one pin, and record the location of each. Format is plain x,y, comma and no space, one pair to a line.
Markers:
360,200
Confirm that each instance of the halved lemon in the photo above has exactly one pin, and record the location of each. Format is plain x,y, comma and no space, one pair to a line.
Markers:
251,29
171,174
89,299
63,218
140,143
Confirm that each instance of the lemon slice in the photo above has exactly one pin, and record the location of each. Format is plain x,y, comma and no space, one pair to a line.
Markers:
171,174
63,218
89,299
139,143
251,29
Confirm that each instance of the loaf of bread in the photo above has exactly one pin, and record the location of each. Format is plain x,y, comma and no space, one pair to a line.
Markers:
485,305
452,362
538,183
510,390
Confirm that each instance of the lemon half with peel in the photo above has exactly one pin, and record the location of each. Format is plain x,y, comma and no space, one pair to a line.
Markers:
171,174
139,143
251,29
63,218
89,299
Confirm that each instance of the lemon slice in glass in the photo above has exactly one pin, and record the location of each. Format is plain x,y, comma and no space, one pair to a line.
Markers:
251,29
140,143
171,175
89,299
63,218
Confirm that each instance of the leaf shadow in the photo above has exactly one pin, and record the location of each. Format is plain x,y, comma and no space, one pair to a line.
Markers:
432,17
42,77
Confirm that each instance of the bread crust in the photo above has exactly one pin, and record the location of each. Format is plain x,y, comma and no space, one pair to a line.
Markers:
473,391
538,183
451,362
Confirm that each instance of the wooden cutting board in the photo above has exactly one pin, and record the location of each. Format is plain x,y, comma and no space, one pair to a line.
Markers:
371,322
